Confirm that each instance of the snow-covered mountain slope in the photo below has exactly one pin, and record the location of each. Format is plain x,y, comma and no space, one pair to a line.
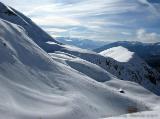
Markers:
91,70
130,89
33,85
133,89
150,52
144,75
149,77
129,66
40,37
33,31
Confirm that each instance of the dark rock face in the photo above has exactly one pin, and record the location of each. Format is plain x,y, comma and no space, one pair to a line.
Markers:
10,13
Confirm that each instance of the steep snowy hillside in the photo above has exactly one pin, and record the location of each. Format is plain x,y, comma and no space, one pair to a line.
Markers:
33,31
91,70
150,52
142,76
33,85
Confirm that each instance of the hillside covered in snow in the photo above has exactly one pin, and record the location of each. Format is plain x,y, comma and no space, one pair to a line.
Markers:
130,66
150,52
45,79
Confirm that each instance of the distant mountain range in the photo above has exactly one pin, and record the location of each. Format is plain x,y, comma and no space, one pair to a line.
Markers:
150,52
81,43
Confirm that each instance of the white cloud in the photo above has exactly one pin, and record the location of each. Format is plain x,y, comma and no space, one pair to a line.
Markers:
56,21
126,33
56,30
145,36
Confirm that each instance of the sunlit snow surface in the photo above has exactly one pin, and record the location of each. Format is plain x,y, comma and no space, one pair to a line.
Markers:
50,42
119,53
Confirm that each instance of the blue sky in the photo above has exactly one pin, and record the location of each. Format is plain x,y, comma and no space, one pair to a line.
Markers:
107,20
